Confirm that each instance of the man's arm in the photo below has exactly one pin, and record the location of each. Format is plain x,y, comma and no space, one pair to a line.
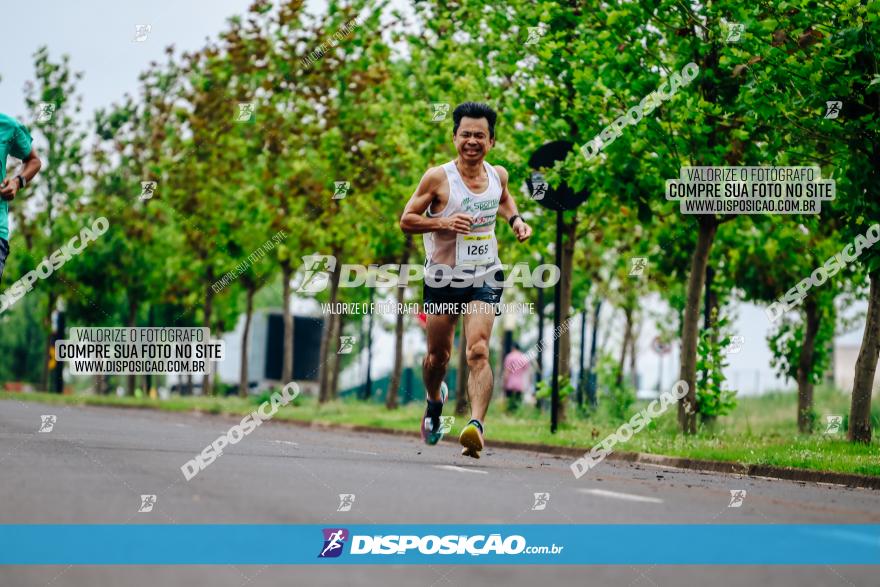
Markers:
413,220
31,167
507,208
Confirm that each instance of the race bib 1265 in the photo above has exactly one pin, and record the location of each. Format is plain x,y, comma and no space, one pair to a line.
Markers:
474,249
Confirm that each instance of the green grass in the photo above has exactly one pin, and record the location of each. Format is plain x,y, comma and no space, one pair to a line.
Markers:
762,430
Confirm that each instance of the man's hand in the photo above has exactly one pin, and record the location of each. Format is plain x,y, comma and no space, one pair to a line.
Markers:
521,229
460,223
9,188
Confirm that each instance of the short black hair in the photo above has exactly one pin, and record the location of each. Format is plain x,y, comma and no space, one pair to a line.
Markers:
474,110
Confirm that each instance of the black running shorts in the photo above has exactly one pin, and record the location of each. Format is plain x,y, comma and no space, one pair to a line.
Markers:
452,300
4,253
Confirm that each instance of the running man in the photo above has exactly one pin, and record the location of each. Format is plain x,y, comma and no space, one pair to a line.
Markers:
454,208
15,140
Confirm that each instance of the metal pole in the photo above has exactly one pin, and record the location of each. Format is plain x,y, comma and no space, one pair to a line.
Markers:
591,375
557,305
507,344
581,379
149,377
58,374
540,373
360,356
368,385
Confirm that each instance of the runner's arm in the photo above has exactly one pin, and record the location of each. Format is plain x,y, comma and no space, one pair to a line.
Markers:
413,219
31,165
507,208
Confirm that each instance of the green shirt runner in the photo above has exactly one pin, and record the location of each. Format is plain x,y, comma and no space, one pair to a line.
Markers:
15,140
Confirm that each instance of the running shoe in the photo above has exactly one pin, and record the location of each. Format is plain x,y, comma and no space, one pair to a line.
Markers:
432,425
472,439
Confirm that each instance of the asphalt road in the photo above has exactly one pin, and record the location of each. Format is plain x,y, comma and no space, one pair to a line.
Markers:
96,463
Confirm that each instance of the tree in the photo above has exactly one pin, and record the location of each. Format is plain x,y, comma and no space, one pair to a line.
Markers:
60,181
808,65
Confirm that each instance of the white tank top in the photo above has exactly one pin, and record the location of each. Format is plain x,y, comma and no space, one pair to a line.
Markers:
477,252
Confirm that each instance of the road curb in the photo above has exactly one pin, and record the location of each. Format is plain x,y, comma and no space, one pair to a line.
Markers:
726,467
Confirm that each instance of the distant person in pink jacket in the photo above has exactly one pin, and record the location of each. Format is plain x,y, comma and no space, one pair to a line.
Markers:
516,377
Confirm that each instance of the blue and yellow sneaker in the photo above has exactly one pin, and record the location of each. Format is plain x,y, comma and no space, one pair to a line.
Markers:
432,425
472,439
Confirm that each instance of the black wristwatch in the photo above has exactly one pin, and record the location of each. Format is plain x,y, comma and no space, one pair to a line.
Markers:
21,181
513,219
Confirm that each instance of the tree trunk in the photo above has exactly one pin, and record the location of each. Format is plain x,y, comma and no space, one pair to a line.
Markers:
206,323
326,337
329,349
710,303
612,323
394,384
805,366
866,367
498,370
627,334
131,380
633,346
243,384
287,359
337,359
325,347
565,299
461,393
100,384
148,378
687,406
48,354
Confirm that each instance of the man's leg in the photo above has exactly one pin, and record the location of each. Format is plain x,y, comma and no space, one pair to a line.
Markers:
478,325
440,332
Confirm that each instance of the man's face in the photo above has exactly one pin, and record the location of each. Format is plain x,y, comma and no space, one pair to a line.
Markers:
472,139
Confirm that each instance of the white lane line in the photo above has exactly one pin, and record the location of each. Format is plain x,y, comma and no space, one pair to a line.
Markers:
361,452
285,442
460,469
625,496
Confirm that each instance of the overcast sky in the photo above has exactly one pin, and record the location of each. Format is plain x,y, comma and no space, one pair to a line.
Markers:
98,35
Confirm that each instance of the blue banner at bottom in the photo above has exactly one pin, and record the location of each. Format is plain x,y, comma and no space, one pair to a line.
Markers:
493,544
